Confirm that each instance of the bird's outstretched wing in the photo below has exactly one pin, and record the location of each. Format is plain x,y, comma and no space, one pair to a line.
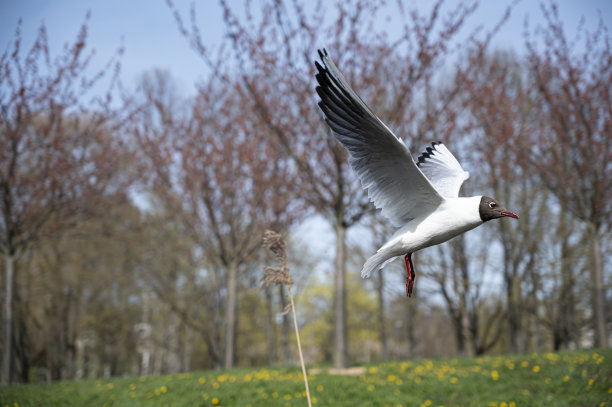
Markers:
442,169
381,160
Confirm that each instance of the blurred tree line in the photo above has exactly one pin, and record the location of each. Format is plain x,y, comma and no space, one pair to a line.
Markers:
131,220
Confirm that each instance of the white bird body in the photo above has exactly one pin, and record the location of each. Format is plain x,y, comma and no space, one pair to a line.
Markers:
422,198
447,221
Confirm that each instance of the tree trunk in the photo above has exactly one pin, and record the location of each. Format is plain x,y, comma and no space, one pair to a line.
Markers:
340,348
566,328
511,278
187,349
601,334
460,335
512,312
270,327
230,319
473,328
382,331
7,350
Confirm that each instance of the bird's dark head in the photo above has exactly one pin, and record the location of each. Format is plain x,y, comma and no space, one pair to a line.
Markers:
490,209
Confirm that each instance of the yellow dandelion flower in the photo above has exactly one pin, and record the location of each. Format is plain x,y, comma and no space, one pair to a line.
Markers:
512,404
495,375
602,404
536,369
503,404
163,389
142,378
524,363
222,378
132,394
600,360
216,385
132,386
202,380
205,396
417,379
314,400
610,390
427,402
275,395
215,401
248,377
320,388
391,378
565,379
373,370
548,380
591,381
156,392
454,380
398,381
287,396
110,386
371,387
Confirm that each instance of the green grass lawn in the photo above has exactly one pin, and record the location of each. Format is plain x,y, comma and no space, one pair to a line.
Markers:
581,378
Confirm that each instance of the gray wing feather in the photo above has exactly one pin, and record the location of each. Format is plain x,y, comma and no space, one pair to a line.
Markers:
381,160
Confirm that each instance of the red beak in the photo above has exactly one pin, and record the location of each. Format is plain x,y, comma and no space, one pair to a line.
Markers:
510,214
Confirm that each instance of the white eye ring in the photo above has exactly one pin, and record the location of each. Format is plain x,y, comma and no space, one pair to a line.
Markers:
492,205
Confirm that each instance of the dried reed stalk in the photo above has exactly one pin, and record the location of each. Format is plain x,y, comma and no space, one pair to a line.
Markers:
280,275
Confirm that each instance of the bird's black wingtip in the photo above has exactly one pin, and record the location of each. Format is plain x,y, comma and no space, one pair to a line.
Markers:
319,67
427,153
322,53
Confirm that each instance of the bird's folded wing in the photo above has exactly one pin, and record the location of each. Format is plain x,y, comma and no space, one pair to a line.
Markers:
442,169
381,160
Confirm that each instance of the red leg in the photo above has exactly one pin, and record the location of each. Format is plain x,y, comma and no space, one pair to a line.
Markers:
411,274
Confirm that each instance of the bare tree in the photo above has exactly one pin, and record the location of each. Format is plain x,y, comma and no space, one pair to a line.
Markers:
572,149
214,170
567,257
498,99
57,153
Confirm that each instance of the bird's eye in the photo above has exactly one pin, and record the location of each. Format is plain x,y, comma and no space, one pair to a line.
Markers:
492,205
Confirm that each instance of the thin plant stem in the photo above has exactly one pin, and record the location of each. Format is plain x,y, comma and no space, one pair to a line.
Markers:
297,337
280,275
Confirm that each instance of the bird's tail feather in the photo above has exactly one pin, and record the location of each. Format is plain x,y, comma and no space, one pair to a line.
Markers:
378,261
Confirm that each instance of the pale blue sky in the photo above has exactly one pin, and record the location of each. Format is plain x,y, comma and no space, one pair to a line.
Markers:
151,39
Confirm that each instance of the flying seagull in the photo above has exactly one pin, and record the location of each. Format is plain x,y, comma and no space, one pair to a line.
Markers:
422,197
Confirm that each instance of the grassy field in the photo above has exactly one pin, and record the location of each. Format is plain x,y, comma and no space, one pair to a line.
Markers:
581,378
